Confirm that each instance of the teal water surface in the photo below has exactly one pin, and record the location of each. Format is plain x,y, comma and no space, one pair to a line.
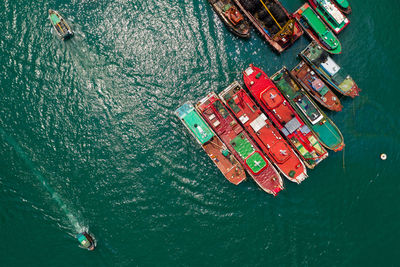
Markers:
88,139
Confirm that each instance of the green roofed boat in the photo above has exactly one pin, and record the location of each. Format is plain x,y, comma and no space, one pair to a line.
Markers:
327,132
211,144
329,12
317,30
61,27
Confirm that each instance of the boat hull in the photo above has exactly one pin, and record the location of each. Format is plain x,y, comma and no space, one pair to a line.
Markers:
315,87
236,139
329,71
61,27
279,44
211,144
331,22
326,131
232,18
317,30
343,6
282,114
264,133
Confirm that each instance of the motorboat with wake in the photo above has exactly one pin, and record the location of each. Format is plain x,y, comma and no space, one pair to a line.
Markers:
60,25
86,241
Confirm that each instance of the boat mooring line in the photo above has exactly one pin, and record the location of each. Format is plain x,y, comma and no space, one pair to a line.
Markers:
344,166
11,141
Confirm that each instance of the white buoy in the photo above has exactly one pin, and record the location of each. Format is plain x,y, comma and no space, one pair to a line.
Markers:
383,156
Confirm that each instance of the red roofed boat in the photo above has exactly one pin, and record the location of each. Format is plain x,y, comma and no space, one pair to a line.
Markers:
284,117
236,139
264,133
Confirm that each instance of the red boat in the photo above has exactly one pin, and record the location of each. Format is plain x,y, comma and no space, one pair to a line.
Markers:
236,139
284,117
264,133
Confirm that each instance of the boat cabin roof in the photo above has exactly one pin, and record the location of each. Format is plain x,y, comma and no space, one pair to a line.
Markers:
195,123
55,19
272,98
247,152
332,11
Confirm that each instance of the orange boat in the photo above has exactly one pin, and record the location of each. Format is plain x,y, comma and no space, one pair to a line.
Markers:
211,144
264,133
284,117
236,139
316,87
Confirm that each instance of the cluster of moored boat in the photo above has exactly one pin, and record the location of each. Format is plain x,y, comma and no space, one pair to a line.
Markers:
276,127
320,19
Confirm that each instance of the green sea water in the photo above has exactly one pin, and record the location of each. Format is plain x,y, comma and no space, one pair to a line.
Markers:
88,139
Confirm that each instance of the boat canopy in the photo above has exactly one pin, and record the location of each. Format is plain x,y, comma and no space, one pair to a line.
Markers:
242,146
330,66
55,19
195,123
256,162
83,240
272,98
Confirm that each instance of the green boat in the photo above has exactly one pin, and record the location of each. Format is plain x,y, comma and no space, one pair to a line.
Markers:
317,30
329,12
327,132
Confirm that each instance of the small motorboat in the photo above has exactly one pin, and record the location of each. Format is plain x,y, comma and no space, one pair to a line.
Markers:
60,25
86,241
232,17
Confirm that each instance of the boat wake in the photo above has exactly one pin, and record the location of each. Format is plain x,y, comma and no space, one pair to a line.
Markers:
56,197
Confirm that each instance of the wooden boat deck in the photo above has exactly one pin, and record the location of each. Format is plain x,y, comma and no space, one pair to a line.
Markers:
316,87
288,30
228,165
212,145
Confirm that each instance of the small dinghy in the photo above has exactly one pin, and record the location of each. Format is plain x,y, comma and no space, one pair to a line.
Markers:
60,25
86,241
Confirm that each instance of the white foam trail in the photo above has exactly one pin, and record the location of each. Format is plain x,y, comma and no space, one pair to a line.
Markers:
73,220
